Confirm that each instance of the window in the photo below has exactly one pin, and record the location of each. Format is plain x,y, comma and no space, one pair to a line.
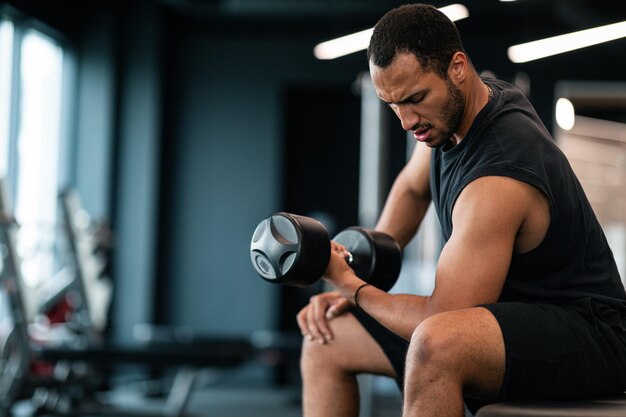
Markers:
38,154
6,63
33,121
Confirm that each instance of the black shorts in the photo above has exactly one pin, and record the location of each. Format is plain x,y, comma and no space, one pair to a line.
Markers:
568,351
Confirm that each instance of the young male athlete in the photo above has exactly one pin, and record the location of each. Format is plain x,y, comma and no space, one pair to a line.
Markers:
527,304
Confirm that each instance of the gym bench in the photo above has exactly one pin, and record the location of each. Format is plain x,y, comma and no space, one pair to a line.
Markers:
602,407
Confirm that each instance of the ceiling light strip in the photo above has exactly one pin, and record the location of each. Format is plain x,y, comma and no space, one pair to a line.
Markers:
564,43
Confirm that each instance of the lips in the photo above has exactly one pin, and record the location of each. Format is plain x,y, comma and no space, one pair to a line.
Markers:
422,134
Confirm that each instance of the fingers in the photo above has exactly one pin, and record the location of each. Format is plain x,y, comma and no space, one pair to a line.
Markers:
318,327
339,248
313,319
339,262
301,319
337,308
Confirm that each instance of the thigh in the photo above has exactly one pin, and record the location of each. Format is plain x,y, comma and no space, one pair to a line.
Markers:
556,352
470,337
352,349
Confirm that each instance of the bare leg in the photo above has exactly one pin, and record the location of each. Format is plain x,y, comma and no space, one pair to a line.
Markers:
329,370
453,353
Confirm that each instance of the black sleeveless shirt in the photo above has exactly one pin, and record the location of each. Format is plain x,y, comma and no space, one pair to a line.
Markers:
507,138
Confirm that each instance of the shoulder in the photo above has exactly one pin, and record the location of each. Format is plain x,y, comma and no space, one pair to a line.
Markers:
513,109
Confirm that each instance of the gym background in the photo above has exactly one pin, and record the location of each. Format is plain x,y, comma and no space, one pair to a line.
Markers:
183,123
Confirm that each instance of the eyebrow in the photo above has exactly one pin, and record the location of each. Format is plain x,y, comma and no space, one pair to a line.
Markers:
411,96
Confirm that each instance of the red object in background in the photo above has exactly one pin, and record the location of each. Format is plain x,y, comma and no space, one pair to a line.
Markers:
60,312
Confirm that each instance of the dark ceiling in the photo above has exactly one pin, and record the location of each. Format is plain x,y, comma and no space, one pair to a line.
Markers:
521,16
492,24
491,28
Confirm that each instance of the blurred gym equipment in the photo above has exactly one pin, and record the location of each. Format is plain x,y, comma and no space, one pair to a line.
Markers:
64,372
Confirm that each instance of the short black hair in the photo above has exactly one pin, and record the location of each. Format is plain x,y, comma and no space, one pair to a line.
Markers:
419,29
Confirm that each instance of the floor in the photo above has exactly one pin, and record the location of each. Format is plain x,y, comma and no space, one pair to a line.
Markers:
271,403
233,394
229,399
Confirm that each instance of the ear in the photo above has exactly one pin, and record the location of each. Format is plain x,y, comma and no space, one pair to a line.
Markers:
457,71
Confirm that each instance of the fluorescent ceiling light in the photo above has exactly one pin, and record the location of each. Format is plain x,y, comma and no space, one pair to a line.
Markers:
360,40
344,45
455,12
568,42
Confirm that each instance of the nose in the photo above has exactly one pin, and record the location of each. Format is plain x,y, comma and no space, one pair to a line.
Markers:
408,118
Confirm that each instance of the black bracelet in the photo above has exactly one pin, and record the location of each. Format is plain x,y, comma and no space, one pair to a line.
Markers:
356,293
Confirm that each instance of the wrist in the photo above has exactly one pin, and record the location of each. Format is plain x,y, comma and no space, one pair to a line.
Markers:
346,283
355,298
351,286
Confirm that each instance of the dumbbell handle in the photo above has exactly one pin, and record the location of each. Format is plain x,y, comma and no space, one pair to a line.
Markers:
349,258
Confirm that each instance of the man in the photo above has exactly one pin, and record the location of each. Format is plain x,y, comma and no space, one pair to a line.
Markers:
527,303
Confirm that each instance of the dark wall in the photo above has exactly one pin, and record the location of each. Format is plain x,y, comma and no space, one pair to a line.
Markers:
225,169
136,168
96,113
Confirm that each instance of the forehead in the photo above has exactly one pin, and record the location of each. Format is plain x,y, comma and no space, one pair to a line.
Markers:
405,75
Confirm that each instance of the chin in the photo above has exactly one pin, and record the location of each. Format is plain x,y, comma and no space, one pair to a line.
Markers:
441,142
437,142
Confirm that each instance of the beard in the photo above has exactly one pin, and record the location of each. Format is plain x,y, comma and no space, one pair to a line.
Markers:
452,112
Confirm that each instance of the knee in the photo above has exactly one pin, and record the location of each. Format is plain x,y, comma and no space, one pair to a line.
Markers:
432,344
338,354
316,356
312,354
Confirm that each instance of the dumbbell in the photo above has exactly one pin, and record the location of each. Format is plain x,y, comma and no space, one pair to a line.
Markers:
295,250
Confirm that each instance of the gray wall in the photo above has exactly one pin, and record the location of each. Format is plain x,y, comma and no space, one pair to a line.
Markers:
117,150
137,168
93,156
227,176
220,100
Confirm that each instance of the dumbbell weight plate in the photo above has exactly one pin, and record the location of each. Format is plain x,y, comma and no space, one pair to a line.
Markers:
377,258
290,249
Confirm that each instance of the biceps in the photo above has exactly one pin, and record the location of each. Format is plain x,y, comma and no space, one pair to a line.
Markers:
470,272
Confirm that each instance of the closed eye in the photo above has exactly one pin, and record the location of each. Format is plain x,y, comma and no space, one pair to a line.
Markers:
416,99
